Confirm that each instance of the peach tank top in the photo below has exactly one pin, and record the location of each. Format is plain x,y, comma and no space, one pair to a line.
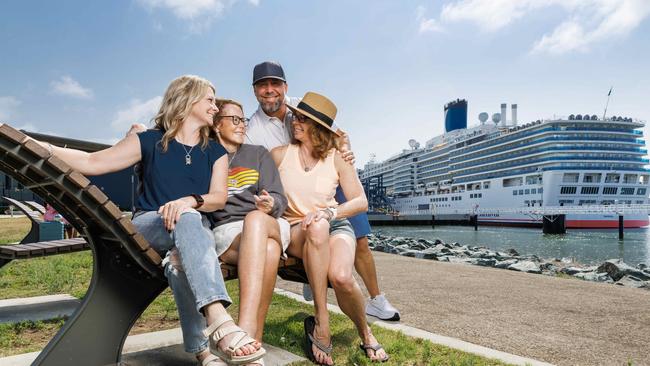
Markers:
307,191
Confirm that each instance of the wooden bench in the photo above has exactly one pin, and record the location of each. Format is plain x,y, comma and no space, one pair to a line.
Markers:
34,216
36,206
127,274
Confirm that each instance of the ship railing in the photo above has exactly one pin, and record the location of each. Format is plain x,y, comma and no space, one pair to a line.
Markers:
619,209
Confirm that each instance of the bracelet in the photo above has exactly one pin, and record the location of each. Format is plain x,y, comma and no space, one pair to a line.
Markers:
330,212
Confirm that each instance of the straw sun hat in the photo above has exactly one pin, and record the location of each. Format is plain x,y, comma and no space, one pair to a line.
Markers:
318,108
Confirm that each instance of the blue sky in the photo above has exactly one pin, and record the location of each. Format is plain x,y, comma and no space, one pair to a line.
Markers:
88,69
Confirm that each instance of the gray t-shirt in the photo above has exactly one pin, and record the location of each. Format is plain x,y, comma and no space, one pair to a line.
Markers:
251,169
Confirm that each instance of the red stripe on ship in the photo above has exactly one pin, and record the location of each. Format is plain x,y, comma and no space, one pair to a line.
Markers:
578,224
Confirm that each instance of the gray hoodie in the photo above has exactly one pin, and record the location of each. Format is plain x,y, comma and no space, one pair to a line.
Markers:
251,169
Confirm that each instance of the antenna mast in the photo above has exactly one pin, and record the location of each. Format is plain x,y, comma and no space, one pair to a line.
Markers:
607,104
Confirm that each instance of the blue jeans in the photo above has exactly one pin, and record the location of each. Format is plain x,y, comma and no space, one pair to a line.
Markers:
201,282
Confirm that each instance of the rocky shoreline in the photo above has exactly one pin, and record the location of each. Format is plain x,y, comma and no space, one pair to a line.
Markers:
611,271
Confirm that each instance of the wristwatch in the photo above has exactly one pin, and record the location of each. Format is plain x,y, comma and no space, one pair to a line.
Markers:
199,200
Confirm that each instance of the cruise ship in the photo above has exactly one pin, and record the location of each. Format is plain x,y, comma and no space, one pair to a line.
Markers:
495,168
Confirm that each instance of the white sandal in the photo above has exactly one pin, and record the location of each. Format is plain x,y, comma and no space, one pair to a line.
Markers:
215,332
212,360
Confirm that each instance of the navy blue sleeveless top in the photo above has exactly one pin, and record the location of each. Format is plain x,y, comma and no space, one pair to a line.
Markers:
165,175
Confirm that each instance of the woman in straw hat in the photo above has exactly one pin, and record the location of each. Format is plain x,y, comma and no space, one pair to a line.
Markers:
184,174
310,169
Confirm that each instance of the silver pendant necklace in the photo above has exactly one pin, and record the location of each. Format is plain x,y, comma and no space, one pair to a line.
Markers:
188,157
304,163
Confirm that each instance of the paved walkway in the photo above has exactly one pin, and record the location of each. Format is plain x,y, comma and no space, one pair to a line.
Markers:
161,348
556,320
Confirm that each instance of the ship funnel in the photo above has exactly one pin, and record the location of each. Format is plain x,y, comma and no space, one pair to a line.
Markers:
504,106
514,115
456,115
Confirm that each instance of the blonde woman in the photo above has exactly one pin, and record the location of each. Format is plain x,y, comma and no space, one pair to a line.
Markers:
184,173
310,169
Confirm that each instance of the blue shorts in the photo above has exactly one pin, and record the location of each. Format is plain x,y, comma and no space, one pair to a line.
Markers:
359,222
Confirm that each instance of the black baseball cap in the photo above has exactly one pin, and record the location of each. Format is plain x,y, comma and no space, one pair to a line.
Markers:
268,69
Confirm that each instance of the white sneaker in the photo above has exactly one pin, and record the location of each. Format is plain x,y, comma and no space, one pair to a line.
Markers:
306,292
380,308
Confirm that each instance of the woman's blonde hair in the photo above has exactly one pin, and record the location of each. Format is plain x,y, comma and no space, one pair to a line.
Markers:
181,95
322,140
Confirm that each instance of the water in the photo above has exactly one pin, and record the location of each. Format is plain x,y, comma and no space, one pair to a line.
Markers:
585,246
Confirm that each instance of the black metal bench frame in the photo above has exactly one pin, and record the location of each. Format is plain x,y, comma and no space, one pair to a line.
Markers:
127,275
33,216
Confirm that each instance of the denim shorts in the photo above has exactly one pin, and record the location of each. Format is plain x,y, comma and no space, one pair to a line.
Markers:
342,226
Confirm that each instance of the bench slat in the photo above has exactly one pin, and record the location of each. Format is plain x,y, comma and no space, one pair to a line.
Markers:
96,194
58,165
36,149
78,179
11,134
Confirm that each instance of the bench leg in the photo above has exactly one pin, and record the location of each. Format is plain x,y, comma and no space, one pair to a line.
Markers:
32,236
95,333
4,261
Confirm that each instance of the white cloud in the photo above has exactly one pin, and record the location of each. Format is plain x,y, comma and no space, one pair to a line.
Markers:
612,19
137,112
427,25
587,22
70,87
199,13
8,106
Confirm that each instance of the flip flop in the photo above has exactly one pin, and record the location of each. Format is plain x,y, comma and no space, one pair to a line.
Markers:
310,324
375,347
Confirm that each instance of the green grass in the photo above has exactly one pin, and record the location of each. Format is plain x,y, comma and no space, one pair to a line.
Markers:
70,273
13,230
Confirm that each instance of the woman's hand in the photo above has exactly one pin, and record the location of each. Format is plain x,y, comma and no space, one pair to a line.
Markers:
345,148
172,210
264,202
313,217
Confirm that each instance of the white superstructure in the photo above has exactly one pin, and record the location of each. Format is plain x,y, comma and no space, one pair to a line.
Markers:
558,162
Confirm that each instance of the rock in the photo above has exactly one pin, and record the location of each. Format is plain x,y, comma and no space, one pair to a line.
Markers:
593,276
427,255
512,252
546,266
505,264
617,269
631,281
574,270
460,260
525,266
485,262
409,253
566,260
442,249
437,241
642,266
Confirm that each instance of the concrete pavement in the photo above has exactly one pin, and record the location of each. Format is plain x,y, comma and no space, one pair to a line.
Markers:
551,319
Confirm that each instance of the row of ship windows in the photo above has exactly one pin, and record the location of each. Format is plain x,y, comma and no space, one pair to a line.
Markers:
606,190
522,192
455,198
609,178
603,202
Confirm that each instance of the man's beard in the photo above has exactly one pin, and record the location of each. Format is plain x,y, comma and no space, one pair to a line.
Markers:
270,108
